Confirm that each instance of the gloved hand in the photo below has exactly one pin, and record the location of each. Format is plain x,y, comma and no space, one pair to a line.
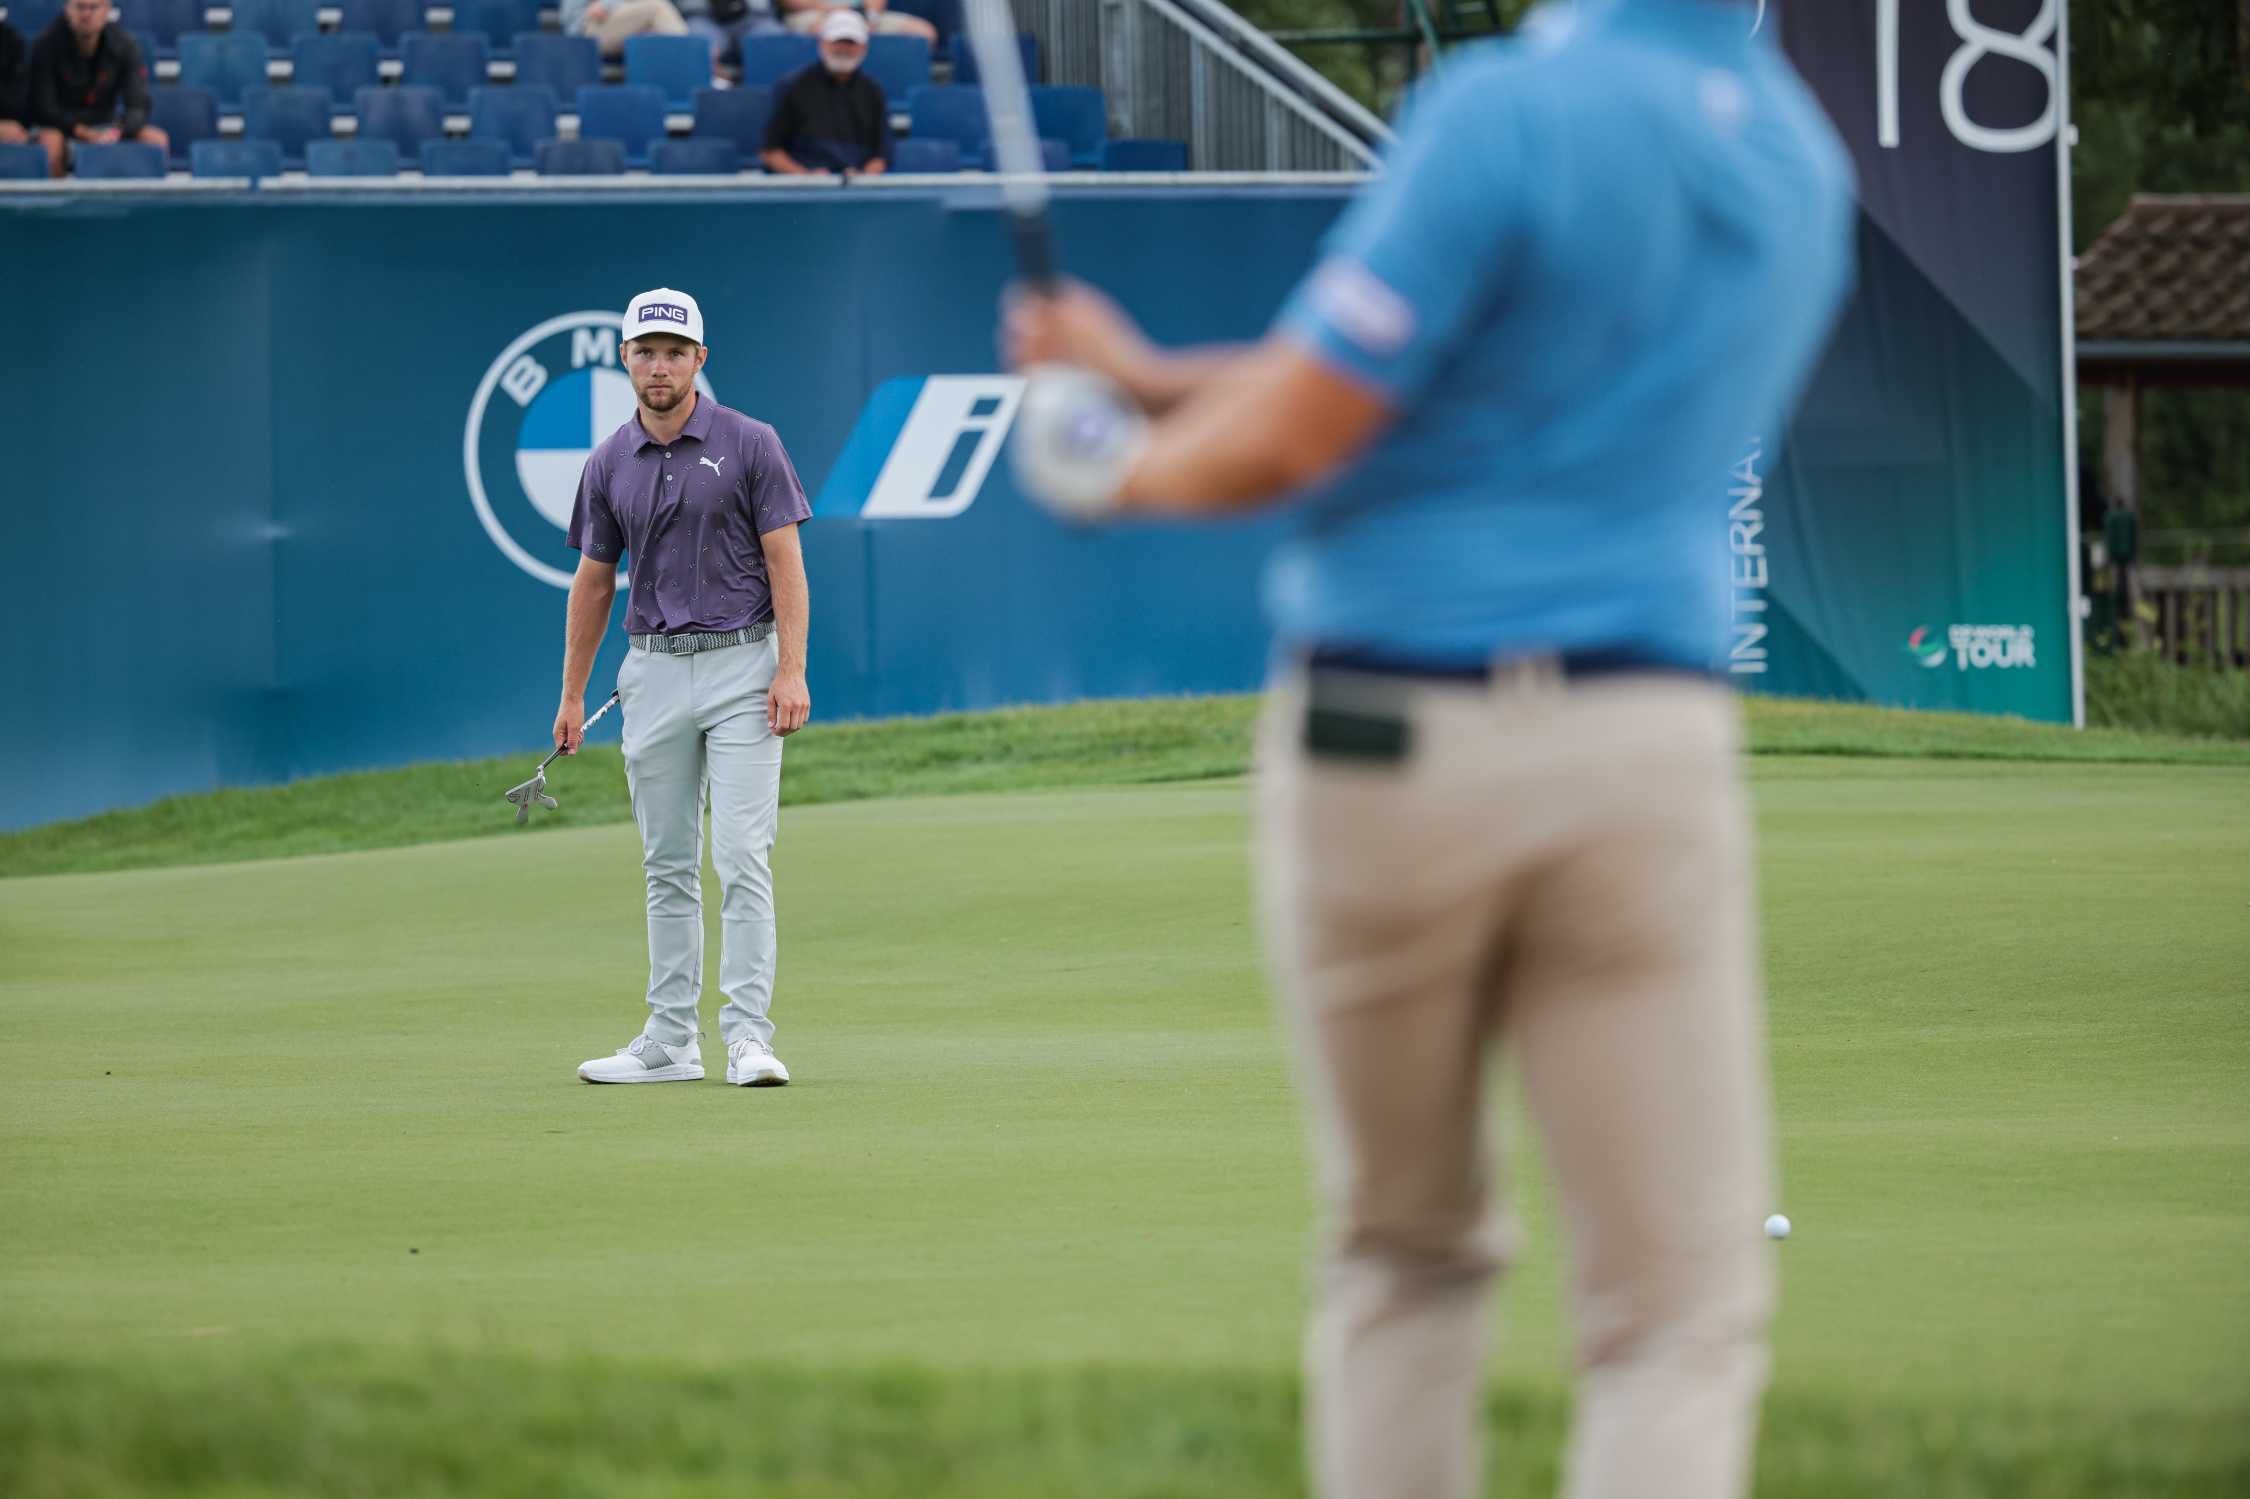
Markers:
1077,436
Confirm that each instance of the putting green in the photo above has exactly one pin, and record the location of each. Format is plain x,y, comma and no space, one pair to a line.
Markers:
1042,1118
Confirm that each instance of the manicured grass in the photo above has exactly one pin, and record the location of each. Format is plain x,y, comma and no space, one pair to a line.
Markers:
298,1194
497,1428
1082,744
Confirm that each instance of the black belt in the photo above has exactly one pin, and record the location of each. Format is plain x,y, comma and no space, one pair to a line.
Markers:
1569,665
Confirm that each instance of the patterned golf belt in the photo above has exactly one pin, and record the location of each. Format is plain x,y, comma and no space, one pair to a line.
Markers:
687,643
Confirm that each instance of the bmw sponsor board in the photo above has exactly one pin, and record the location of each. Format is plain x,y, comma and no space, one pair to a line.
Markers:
545,402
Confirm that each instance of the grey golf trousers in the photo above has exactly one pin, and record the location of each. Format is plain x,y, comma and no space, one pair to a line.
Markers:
1562,869
696,735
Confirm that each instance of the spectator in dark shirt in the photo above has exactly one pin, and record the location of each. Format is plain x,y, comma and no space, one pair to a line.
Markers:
831,117
83,71
15,87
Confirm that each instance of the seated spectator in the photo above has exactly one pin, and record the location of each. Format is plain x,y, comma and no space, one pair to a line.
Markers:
831,117
15,87
807,15
610,22
724,23
83,69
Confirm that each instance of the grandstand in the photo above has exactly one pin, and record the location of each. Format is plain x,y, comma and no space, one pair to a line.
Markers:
483,89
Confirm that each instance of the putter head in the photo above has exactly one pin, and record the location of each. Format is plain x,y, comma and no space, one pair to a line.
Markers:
533,790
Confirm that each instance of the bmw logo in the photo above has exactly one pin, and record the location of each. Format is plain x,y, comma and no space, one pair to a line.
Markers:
546,402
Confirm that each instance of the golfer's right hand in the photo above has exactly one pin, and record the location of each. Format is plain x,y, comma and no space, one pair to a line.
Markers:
570,725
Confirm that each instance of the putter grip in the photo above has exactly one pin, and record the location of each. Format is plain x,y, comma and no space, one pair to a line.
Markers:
1035,252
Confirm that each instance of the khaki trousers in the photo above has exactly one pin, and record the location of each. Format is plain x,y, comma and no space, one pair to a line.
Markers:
1564,870
631,18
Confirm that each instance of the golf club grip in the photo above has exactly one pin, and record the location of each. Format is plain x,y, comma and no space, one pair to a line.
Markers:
1035,252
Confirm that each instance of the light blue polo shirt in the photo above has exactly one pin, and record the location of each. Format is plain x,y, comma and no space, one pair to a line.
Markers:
1603,257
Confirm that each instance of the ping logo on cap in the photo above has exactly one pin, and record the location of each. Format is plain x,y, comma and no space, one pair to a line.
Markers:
664,312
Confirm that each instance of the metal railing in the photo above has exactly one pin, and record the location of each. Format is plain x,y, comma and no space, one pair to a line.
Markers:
1193,70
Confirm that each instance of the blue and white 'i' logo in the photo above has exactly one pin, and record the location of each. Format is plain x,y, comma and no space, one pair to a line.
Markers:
541,408
922,447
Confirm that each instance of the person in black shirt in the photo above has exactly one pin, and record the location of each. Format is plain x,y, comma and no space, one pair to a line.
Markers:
15,88
832,117
83,69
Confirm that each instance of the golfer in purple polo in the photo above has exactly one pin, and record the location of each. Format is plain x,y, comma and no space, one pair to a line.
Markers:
706,504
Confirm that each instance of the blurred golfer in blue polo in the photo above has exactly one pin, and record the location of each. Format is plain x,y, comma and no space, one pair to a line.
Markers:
1499,793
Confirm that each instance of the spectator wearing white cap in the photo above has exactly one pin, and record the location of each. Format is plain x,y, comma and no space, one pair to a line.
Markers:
831,117
810,16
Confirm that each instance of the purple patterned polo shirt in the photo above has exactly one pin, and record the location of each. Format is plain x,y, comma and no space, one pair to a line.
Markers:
689,514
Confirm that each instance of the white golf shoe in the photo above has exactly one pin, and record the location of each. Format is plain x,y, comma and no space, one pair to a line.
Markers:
750,1065
647,1060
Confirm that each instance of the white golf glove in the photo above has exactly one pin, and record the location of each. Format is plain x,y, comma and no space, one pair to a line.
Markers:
1077,436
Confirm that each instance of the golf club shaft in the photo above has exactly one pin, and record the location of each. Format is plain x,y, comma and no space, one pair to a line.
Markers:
1015,139
582,728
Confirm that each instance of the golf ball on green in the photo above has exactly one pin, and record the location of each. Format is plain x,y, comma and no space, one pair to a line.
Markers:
1777,1227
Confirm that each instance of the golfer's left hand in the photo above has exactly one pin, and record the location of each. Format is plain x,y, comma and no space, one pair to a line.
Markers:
1077,437
788,704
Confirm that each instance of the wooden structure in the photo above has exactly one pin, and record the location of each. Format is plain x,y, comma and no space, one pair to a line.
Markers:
2163,298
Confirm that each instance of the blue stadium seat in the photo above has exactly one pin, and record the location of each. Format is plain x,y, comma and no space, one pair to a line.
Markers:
965,58
520,115
926,156
387,20
945,15
443,158
451,62
766,60
694,158
32,16
163,20
351,159
899,64
1144,156
289,115
734,114
145,43
1074,115
1054,155
497,21
342,63
951,112
125,159
252,159
405,116
679,65
565,64
631,114
24,163
603,158
280,22
224,62
185,115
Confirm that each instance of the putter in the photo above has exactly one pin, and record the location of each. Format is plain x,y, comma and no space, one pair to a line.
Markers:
535,789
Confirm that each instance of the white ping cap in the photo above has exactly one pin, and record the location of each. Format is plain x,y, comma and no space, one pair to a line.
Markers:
843,26
664,311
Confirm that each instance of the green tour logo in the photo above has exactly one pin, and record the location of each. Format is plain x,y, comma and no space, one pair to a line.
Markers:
1973,647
